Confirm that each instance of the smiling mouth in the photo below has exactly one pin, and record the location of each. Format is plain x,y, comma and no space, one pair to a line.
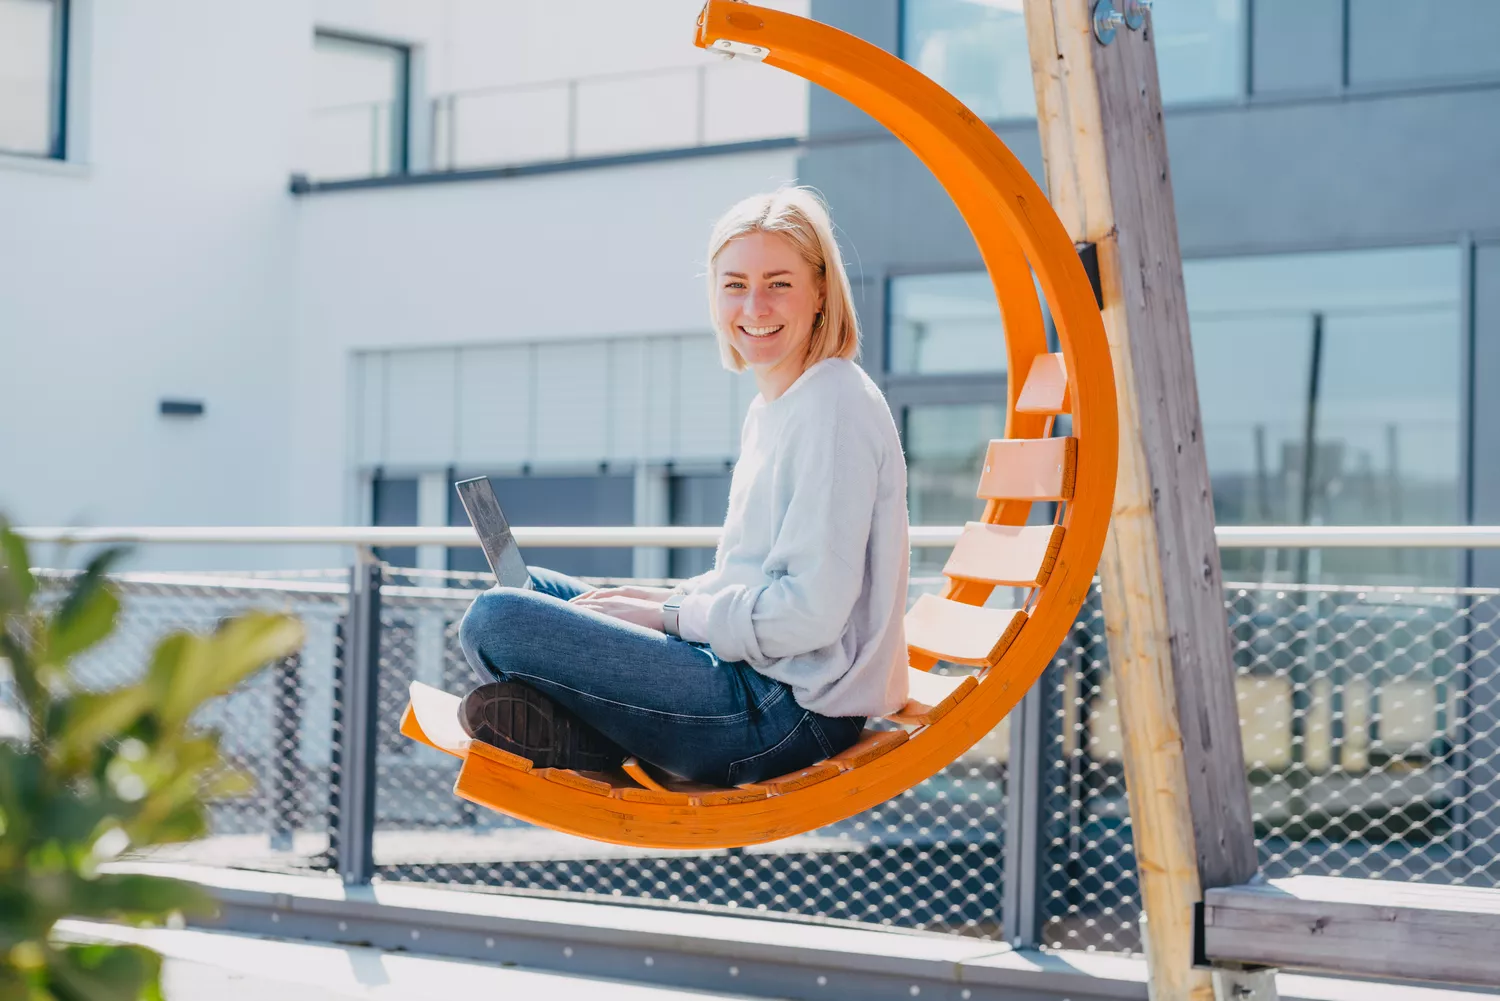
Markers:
758,332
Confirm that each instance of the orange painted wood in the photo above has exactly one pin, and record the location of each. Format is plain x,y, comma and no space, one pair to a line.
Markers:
575,780
934,696
1013,555
728,797
654,796
872,744
493,754
1017,234
1046,388
1030,469
960,633
412,730
800,779
637,771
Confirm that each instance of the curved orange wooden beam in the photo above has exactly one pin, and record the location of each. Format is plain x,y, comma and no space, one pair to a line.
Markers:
1017,233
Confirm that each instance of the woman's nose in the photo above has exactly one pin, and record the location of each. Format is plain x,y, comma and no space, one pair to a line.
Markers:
757,303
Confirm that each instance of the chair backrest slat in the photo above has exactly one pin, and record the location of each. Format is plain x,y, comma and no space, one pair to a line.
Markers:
1014,555
1046,388
1029,469
959,633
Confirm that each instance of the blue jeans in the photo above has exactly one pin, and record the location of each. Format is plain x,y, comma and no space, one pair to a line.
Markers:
666,701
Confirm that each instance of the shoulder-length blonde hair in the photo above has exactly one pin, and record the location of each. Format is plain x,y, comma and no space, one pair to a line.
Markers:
801,215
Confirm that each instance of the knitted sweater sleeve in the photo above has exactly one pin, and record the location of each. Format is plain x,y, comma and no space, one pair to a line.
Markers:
815,568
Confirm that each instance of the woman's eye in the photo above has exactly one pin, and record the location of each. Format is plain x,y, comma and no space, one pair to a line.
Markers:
782,284
735,285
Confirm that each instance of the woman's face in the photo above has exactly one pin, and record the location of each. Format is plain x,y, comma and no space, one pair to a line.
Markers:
768,300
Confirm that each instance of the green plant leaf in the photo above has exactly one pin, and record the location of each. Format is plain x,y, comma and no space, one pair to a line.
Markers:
88,719
91,619
17,584
99,972
137,897
187,670
87,584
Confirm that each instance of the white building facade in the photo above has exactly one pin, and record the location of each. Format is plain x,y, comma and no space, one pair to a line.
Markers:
306,263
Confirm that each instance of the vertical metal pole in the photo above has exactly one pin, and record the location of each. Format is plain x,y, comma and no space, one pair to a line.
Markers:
355,734
1019,911
286,752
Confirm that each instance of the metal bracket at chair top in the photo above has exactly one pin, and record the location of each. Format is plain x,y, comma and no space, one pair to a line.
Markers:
739,49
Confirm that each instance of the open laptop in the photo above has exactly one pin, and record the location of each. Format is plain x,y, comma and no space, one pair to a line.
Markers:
495,539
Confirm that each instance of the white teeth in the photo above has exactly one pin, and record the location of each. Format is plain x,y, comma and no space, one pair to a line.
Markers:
761,331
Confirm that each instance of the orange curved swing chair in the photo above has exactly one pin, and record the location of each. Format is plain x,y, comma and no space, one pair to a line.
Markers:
1017,232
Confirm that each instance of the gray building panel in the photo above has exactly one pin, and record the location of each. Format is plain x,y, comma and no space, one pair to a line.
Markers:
1297,46
1395,42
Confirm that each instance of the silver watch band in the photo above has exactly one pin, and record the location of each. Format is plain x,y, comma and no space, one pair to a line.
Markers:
669,610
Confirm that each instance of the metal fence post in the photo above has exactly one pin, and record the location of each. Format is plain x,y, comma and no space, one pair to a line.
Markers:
355,741
286,752
1019,911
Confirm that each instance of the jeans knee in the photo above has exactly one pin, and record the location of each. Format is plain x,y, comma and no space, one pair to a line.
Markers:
490,615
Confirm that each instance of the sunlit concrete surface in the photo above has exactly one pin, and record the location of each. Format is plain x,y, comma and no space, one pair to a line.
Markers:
217,966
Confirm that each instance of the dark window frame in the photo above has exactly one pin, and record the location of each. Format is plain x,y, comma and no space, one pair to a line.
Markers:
401,120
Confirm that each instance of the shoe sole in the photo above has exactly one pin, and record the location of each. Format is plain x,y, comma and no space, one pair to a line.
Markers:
519,719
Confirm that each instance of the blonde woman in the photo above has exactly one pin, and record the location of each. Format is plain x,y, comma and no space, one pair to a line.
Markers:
773,659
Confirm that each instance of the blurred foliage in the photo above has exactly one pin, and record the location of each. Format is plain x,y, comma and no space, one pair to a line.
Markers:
93,773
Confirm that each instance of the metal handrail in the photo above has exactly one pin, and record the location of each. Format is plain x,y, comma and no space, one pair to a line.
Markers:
686,537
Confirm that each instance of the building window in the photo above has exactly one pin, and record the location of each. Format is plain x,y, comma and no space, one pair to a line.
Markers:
574,501
393,503
942,324
33,75
977,50
945,446
1330,387
696,499
359,107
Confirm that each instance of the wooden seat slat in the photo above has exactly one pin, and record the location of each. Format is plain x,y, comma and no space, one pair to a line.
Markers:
663,796
1029,469
1014,555
576,780
723,797
800,779
932,696
959,633
1046,388
480,749
637,771
872,744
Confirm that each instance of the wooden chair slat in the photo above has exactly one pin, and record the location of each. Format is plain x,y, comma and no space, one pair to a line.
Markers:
1046,388
434,713
489,752
663,796
1029,469
637,771
800,779
723,797
962,634
576,780
932,696
1014,555
872,744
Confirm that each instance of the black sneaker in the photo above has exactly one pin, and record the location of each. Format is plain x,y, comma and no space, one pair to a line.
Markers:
519,719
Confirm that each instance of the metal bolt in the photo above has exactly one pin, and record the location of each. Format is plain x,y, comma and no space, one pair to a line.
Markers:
1106,20
1135,13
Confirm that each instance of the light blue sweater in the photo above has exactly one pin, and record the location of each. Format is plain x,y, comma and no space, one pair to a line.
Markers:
809,582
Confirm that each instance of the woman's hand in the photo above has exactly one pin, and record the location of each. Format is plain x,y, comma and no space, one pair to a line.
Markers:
656,594
641,611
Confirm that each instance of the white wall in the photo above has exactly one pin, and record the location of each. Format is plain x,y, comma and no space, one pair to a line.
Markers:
169,259
567,257
161,267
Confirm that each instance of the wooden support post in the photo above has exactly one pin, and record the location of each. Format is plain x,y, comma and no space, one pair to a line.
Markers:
1099,112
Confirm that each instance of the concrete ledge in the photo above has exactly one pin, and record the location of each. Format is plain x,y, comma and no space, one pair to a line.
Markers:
755,956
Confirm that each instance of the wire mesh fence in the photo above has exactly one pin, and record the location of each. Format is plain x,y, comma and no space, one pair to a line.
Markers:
1370,719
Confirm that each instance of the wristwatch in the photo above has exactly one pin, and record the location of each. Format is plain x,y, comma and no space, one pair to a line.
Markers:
669,610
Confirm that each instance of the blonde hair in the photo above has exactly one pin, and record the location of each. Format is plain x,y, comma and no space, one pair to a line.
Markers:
801,215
